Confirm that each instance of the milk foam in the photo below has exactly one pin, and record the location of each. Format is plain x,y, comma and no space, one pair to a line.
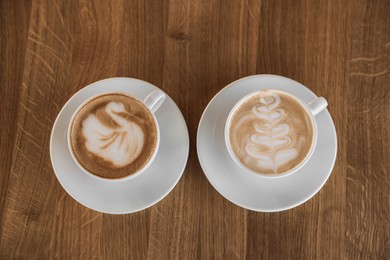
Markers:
120,145
264,138
272,136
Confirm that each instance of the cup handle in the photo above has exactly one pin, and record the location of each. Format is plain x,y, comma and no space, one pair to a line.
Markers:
154,100
317,105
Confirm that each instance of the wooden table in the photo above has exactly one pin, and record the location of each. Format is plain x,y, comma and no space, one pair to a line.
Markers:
192,49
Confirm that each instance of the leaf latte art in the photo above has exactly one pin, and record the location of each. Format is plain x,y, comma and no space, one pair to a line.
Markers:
271,132
113,136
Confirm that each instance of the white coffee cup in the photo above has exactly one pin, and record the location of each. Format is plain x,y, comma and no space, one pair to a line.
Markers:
312,109
153,101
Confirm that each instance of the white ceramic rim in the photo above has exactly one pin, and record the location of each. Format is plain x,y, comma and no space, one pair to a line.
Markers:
293,170
140,171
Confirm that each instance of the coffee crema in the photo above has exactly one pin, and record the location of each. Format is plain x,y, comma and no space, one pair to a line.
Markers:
113,136
271,132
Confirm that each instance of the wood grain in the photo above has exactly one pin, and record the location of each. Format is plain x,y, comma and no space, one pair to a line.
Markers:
192,49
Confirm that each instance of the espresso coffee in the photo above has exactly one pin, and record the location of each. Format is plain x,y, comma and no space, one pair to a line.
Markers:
113,136
271,132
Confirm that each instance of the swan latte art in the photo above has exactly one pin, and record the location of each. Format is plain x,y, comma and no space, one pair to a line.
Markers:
270,132
113,136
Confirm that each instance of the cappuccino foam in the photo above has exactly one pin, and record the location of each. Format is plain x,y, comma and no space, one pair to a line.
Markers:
271,132
113,136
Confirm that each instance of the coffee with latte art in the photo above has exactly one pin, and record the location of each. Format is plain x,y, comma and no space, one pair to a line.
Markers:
113,136
271,132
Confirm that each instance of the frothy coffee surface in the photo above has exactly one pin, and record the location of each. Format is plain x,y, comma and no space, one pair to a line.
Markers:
113,136
271,132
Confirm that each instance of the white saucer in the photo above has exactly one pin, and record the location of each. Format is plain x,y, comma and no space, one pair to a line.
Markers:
255,192
141,191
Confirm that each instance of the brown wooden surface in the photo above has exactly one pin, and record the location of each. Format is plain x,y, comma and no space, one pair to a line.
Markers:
192,49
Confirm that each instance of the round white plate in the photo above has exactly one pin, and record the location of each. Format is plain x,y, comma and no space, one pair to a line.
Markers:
255,192
141,191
